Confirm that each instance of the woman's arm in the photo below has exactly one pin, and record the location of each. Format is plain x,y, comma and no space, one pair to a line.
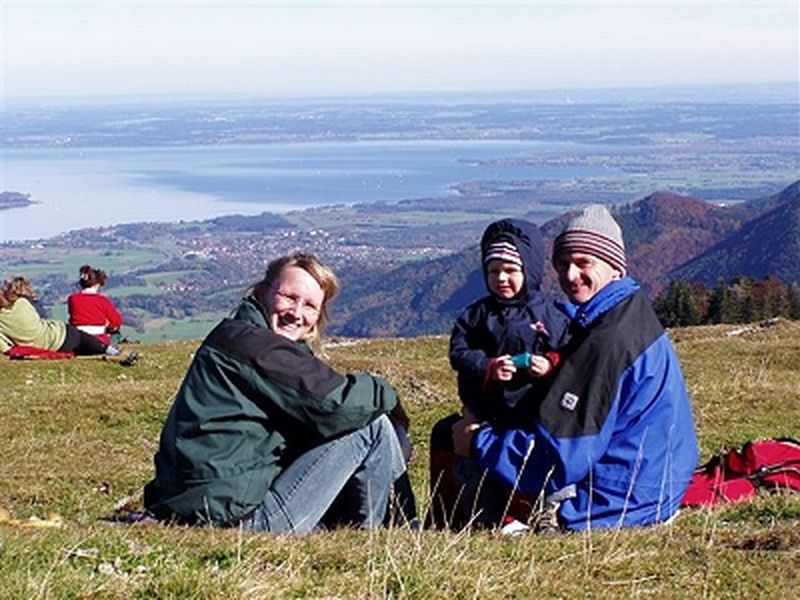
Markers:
113,318
283,375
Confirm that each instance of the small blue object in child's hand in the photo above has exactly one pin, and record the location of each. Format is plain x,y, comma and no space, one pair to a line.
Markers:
522,360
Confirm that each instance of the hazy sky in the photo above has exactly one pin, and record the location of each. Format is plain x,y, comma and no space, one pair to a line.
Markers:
311,48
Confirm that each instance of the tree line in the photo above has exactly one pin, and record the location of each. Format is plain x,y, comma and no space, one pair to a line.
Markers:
742,300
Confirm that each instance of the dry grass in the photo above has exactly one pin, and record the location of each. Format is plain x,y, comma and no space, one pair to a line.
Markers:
78,438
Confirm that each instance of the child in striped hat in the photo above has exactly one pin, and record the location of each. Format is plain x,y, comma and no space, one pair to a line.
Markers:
501,346
503,342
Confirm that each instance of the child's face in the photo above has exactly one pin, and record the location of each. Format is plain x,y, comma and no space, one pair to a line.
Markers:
505,280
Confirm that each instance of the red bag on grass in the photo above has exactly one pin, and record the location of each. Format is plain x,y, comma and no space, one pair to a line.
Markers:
738,474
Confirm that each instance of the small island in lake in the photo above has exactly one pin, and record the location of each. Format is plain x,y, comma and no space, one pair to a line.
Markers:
14,199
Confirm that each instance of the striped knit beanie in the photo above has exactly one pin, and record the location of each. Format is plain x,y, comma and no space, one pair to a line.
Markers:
594,232
502,249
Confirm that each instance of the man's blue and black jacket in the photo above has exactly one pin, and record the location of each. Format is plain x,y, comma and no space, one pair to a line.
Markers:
617,421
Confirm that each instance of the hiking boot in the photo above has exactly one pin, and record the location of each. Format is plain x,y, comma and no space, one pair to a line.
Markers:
130,360
547,523
133,517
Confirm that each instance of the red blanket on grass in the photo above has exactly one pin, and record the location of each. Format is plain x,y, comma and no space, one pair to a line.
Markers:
20,352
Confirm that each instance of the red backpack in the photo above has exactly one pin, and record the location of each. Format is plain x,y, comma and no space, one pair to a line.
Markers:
738,474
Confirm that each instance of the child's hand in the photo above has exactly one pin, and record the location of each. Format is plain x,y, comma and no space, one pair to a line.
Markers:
503,368
540,366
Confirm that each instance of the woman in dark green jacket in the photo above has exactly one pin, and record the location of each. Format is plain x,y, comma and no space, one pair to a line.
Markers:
264,435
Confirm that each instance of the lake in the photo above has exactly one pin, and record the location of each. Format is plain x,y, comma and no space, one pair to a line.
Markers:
79,188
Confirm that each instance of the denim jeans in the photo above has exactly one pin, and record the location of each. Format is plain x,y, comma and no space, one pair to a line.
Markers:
354,471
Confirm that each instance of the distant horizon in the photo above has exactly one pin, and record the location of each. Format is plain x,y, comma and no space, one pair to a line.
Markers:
782,91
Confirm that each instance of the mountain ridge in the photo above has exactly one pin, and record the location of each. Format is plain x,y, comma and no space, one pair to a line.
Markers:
766,245
665,234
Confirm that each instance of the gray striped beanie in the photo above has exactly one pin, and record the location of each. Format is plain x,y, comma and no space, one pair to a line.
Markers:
594,232
504,250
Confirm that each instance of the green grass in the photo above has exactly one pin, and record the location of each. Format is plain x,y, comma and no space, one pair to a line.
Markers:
171,329
59,312
164,277
37,262
78,438
130,290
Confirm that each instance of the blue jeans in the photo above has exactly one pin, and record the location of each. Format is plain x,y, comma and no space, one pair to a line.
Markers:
355,471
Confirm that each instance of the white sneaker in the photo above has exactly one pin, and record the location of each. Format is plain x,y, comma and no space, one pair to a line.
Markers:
513,527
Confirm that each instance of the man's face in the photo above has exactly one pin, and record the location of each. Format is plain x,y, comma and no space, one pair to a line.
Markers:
294,303
581,276
505,280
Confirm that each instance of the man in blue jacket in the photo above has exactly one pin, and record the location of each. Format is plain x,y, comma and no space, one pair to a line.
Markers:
615,429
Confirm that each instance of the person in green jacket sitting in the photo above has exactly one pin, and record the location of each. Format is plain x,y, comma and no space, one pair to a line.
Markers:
264,435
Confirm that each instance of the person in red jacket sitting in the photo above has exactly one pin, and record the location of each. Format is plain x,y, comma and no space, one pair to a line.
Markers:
89,310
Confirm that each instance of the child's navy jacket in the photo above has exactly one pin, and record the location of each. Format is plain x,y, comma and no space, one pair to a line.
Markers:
491,327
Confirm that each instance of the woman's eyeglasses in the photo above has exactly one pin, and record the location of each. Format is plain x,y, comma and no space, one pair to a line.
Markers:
291,301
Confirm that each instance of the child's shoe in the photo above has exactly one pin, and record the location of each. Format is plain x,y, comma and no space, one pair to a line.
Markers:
512,526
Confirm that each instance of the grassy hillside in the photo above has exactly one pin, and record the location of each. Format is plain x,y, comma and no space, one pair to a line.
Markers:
78,438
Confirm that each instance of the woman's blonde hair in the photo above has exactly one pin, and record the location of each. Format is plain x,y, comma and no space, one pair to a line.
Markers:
321,273
19,287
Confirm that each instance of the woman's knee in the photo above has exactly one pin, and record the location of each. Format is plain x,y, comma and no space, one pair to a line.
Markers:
382,426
